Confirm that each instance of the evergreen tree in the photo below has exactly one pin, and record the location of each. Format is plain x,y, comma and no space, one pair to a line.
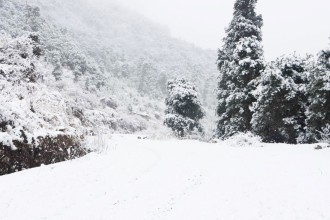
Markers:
324,59
36,45
161,83
279,111
145,71
149,83
240,61
33,18
58,70
318,114
205,93
77,73
183,108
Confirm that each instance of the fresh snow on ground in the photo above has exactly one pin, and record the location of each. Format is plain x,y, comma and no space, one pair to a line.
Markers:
147,179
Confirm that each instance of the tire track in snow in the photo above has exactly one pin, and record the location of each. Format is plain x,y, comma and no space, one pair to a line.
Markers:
192,184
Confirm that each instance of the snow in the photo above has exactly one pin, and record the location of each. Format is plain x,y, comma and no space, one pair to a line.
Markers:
151,179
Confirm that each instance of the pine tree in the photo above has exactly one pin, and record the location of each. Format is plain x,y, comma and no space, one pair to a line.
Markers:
58,70
240,61
324,59
318,113
279,111
145,70
36,44
183,108
33,18
161,83
149,83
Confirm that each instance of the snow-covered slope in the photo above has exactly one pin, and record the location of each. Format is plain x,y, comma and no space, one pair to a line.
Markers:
105,52
146,179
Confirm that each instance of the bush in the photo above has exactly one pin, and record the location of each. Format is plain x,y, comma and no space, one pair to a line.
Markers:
244,140
45,150
36,124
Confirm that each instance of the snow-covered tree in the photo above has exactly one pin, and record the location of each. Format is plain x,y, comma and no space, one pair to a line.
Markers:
18,58
279,111
161,83
184,110
324,58
57,72
240,61
318,114
58,69
146,71
34,20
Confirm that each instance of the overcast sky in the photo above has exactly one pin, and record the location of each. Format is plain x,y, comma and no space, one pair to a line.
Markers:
289,25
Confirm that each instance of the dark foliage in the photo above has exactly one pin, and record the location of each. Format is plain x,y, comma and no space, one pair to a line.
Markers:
280,110
183,108
46,150
240,61
318,114
182,126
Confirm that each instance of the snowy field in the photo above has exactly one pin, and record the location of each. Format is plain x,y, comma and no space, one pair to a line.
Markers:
145,179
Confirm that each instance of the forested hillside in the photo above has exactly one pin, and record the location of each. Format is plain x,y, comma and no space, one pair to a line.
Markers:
71,69
108,43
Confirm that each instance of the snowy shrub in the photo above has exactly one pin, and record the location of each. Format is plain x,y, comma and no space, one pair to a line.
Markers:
131,124
109,102
36,125
43,150
155,132
17,58
325,134
35,128
244,140
184,110
99,141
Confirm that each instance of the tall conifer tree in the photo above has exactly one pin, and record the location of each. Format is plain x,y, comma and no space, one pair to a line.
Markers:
318,113
240,61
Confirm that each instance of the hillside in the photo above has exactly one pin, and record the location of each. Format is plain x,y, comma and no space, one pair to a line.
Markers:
106,54
71,69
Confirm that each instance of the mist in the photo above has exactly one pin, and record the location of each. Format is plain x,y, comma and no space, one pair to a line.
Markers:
289,26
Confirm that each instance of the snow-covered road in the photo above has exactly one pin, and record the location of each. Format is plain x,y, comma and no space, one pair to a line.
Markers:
144,179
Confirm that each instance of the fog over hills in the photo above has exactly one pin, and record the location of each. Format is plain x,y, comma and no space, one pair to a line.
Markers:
103,53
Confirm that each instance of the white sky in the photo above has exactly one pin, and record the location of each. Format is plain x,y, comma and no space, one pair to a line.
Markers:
289,25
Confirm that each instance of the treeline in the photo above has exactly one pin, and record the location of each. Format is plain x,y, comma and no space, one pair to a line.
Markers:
284,101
